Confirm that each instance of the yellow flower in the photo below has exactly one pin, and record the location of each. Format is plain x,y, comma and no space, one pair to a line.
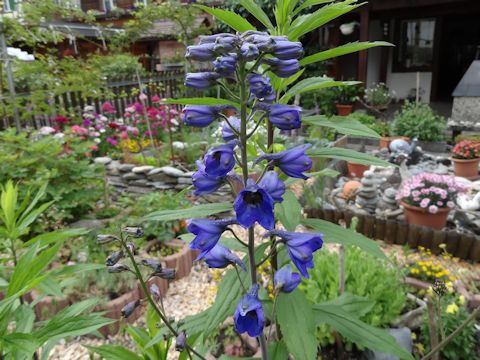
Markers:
420,347
429,273
421,248
414,271
452,308
449,286
461,300
414,336
424,268
430,291
442,246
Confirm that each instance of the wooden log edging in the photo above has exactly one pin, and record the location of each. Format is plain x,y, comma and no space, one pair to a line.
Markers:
463,246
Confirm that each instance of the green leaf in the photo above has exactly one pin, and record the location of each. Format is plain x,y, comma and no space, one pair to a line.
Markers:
289,211
335,234
342,124
277,351
25,343
254,9
357,331
235,21
310,3
226,357
342,50
353,304
200,101
25,317
296,320
57,235
313,83
348,155
192,212
114,352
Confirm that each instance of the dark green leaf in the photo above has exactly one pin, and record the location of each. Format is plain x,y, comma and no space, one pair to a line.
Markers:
310,3
289,211
341,124
192,212
295,317
254,9
357,331
114,352
348,155
235,21
353,304
26,343
313,83
335,234
277,351
54,236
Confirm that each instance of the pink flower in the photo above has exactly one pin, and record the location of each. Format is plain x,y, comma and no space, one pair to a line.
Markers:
156,98
440,203
47,130
424,203
86,122
142,97
94,148
78,130
108,107
433,209
451,204
60,119
112,141
124,135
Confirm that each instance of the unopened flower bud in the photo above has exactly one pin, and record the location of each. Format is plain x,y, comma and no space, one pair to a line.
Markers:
134,231
114,257
117,268
201,80
249,52
131,247
181,341
168,274
152,263
128,309
106,239
155,291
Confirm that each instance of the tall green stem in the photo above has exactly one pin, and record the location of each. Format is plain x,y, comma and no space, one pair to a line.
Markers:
241,76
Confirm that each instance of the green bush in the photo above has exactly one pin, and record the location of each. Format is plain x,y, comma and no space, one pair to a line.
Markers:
117,66
365,276
380,127
462,137
419,121
73,182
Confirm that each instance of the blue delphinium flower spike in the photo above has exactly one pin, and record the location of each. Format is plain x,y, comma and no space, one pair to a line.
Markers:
207,233
301,247
286,280
261,88
220,160
201,80
203,52
248,51
249,315
220,257
284,117
227,133
199,115
204,183
254,204
287,50
282,68
225,65
273,185
292,162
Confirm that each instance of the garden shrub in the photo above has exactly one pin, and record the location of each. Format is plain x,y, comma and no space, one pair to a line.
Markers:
365,276
380,127
419,121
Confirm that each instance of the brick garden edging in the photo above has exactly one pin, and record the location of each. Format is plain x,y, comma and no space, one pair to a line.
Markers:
463,246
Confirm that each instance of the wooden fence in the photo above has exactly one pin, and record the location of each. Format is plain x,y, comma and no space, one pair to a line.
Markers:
120,93
462,245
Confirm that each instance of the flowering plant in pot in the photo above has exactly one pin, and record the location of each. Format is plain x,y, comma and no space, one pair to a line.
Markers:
428,198
465,157
378,96
346,96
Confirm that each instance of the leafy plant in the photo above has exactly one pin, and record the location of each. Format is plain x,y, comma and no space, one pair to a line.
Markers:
365,276
378,95
466,150
377,125
117,66
346,95
419,121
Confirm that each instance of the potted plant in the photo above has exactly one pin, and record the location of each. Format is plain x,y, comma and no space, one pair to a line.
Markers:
428,198
377,125
419,121
345,98
465,158
378,97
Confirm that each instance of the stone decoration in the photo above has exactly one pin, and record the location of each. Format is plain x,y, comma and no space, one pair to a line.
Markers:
367,197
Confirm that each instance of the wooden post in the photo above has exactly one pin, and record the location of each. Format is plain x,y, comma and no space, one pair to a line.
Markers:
437,239
390,231
379,229
413,234
452,241
369,226
475,252
402,233
425,237
363,55
464,246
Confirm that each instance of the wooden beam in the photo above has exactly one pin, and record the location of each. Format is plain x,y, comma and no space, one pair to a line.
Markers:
378,5
363,55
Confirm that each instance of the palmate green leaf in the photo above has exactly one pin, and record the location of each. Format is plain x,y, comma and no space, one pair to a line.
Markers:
114,352
289,211
341,124
335,234
306,23
348,155
188,213
310,3
256,10
342,50
357,331
313,83
353,304
235,21
296,320
200,101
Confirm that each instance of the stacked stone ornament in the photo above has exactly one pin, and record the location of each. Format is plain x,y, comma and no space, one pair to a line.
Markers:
367,198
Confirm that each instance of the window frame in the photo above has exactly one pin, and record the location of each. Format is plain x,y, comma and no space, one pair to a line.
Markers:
398,67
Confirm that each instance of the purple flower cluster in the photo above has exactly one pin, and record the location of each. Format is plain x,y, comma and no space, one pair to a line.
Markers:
430,191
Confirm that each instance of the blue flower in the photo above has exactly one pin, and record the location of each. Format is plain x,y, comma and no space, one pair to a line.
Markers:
220,160
249,51
292,162
199,115
287,50
204,183
227,133
201,80
203,52
254,204
286,280
207,233
249,316
285,117
220,257
283,68
261,88
273,185
225,65
206,39
301,247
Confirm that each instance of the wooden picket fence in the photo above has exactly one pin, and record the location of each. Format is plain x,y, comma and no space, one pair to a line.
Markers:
462,245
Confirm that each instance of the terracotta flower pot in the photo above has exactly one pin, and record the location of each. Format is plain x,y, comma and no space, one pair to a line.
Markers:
343,109
356,170
466,168
422,217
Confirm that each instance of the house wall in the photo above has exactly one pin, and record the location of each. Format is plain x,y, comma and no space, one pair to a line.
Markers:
374,54
169,48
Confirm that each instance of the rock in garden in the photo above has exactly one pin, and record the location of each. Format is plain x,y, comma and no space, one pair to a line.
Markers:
178,145
116,181
164,178
142,169
158,185
131,176
185,180
402,336
138,190
90,224
170,170
125,167
104,160
141,182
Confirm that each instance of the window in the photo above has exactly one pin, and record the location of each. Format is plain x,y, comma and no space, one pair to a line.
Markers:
9,5
414,39
109,5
